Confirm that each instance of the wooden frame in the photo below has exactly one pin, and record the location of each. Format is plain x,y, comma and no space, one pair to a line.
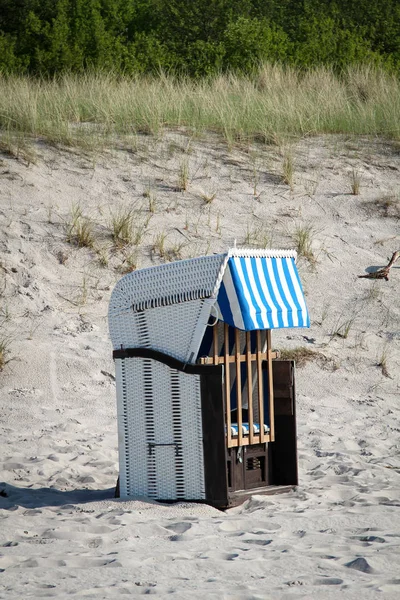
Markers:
251,359
228,481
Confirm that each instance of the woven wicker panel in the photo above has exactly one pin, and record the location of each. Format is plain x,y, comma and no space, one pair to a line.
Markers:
176,330
160,434
167,284
192,436
130,382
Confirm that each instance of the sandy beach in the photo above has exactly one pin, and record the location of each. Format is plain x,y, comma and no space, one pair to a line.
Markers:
62,532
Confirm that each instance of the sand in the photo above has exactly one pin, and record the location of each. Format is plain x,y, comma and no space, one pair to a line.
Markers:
62,533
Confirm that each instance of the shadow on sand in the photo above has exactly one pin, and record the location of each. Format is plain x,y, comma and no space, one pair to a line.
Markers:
12,496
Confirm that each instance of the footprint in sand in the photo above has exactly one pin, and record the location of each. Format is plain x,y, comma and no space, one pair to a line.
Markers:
328,581
258,542
220,556
230,526
9,544
178,528
95,543
369,538
360,564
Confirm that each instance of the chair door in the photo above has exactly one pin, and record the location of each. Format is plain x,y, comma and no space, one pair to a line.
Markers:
248,383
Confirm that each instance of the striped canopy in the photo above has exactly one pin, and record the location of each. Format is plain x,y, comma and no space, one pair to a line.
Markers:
262,292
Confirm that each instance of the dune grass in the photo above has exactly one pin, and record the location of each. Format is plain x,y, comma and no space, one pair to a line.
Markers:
278,101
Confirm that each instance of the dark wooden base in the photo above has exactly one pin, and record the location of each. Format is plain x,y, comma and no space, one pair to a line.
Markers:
234,498
248,467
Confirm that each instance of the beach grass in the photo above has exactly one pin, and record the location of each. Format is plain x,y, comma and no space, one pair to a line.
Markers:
86,110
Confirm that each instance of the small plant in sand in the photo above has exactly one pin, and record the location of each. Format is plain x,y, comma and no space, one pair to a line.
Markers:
80,229
300,354
84,235
183,176
208,197
374,292
16,146
102,254
302,237
139,231
255,175
50,209
218,224
122,226
288,168
5,314
175,251
303,355
62,257
151,196
382,362
325,312
343,327
388,205
33,321
355,182
129,263
83,292
74,217
311,186
258,236
4,352
159,244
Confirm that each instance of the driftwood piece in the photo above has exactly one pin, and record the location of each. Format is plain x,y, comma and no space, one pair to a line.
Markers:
384,272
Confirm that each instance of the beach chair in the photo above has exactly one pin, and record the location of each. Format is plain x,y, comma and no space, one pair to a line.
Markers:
206,410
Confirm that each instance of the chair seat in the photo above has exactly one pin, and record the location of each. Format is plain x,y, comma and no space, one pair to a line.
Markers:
246,429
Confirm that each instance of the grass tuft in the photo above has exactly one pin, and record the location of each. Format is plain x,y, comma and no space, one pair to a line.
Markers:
85,110
183,177
303,236
387,205
208,197
80,229
302,356
122,226
288,168
342,328
4,352
355,182
382,363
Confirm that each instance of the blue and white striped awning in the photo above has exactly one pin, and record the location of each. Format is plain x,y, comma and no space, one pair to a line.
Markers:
262,291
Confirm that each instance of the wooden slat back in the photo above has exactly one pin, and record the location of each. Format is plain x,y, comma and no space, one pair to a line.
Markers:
238,387
254,363
250,386
270,388
260,390
215,344
227,386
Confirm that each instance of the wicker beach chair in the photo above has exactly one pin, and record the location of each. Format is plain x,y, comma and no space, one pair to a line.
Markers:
206,410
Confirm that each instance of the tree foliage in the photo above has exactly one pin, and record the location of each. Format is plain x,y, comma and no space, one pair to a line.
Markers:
195,37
